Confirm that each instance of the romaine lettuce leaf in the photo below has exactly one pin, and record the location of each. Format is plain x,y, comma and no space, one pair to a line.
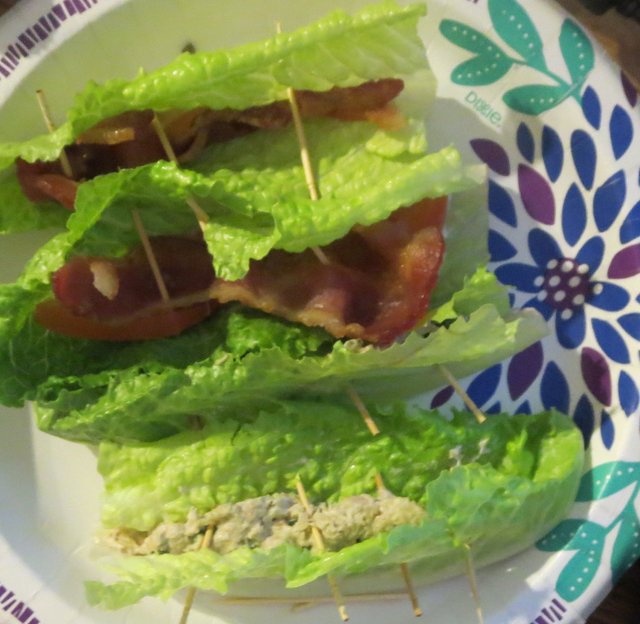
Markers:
73,379
18,214
254,193
339,50
148,398
508,482
232,458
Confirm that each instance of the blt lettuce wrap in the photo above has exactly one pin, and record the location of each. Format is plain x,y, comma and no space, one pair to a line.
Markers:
372,317
343,66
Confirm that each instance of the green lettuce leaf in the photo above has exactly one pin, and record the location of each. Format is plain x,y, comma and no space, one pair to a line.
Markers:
233,459
144,398
18,214
505,483
254,193
339,50
73,380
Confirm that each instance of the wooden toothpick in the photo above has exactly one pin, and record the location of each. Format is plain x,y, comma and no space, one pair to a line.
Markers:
362,409
320,547
200,214
314,193
299,604
473,582
44,109
191,594
406,575
151,257
305,157
404,568
453,382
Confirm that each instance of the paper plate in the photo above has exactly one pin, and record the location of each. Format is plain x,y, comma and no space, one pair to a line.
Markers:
521,87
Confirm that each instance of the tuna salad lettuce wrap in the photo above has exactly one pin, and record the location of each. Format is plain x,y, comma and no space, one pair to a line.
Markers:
255,313
449,485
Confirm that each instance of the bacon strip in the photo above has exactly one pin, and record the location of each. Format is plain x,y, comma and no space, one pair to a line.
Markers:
128,140
376,287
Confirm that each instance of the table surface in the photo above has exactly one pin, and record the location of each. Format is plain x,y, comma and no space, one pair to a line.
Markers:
620,36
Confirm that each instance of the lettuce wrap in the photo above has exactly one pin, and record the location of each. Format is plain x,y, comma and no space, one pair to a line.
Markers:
338,51
253,191
494,487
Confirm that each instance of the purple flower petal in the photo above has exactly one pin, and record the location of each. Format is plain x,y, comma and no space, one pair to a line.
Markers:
493,155
591,254
611,298
571,331
543,248
610,341
537,195
519,275
442,397
625,263
609,199
596,374
523,370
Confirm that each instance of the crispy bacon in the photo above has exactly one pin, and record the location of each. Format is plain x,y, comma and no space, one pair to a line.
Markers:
128,140
184,263
45,182
376,286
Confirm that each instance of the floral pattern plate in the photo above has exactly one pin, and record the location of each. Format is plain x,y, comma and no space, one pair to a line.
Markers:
522,88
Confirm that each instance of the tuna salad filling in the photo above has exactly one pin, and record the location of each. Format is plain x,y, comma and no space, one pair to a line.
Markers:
269,521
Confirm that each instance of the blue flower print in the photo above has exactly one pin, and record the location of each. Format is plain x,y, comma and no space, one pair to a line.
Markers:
563,286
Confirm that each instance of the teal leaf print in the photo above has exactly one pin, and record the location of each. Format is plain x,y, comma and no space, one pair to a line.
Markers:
481,70
573,534
535,99
517,30
626,548
577,51
607,479
588,538
579,572
469,39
